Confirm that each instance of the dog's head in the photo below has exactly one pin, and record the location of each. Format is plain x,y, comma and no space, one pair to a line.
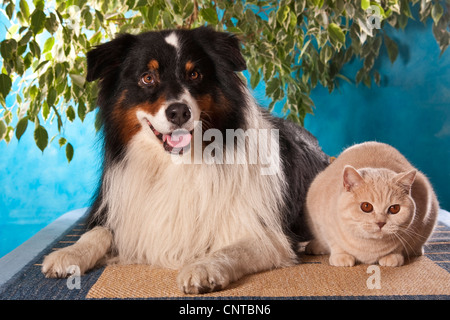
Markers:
164,81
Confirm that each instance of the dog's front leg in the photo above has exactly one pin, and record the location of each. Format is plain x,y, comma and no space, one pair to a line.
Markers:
84,254
229,264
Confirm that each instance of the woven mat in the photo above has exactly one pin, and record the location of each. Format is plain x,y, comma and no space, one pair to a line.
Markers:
314,277
427,277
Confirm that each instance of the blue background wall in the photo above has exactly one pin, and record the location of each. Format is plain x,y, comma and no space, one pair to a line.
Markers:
410,110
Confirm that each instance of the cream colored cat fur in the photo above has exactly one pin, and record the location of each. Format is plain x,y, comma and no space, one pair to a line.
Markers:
377,178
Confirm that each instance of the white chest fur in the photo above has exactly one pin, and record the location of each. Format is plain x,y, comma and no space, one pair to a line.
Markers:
168,214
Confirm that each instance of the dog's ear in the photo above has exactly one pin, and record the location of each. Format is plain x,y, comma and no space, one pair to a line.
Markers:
223,47
107,57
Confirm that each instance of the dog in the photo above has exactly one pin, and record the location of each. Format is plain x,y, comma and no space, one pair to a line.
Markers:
172,104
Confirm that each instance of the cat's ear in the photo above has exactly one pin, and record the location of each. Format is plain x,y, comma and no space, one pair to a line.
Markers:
406,179
351,178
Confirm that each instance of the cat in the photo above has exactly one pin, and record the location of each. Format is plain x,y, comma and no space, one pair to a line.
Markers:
370,205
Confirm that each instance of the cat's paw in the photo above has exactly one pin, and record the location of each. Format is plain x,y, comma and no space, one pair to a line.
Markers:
342,260
392,260
202,278
315,247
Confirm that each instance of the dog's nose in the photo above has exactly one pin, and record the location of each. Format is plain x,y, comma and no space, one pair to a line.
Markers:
178,113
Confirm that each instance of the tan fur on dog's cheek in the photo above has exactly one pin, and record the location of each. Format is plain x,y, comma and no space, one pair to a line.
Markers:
125,117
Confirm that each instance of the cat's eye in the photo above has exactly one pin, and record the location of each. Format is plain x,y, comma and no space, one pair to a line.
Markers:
366,207
394,209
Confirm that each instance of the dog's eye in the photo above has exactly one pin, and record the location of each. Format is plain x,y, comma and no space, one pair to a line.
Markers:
147,79
193,75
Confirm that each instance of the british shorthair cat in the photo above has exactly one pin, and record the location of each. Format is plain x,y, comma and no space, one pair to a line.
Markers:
370,205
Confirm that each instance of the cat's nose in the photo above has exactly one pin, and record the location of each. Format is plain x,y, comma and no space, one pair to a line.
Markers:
381,224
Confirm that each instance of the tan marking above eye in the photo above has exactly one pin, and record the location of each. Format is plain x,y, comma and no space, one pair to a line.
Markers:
189,66
366,207
153,64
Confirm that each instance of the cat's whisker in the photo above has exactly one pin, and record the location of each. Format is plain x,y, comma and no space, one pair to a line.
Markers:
403,241
412,233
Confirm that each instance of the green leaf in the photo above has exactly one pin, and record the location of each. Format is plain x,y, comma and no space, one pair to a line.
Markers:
391,47
41,137
153,14
70,113
405,9
81,111
210,15
8,48
62,141
39,4
51,96
436,12
5,84
365,4
25,39
254,79
87,16
325,53
336,34
360,75
2,130
377,77
272,85
69,152
282,14
10,11
37,21
21,127
48,45
45,110
51,23
24,9
78,80
35,49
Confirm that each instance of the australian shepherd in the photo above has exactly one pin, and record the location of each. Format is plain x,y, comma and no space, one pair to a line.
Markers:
196,176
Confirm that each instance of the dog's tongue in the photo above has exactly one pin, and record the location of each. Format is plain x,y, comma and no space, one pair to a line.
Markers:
178,139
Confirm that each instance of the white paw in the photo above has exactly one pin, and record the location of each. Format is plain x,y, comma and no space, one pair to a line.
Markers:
202,278
392,260
342,260
62,263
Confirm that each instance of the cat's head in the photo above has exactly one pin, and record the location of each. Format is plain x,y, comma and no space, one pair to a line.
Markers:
376,203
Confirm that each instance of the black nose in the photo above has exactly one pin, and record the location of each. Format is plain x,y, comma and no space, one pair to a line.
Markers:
178,113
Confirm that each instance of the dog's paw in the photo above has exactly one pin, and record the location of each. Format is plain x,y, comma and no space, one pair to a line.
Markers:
202,278
62,263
